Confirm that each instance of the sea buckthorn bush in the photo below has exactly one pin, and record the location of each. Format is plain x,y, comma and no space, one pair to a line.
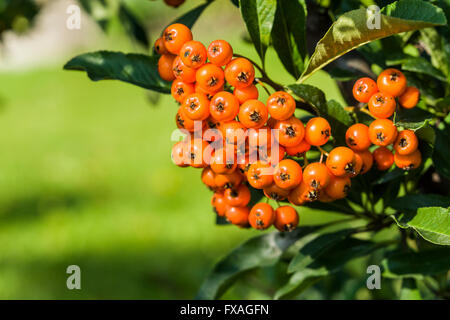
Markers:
381,161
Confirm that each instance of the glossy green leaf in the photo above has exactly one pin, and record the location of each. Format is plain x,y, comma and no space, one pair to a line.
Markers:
137,69
260,251
399,264
412,118
421,65
350,30
389,176
133,26
410,203
441,158
288,35
258,16
190,17
434,43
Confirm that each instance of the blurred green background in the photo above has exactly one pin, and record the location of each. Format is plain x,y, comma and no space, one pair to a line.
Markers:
86,176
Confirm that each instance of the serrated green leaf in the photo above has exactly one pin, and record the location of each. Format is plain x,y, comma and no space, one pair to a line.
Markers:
350,30
288,35
263,250
399,264
258,16
137,69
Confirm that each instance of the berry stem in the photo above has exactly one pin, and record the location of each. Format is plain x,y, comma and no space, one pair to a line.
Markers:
258,80
322,152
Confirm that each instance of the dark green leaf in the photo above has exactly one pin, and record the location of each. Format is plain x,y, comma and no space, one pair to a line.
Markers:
350,30
416,264
137,69
412,118
412,202
258,16
432,40
338,206
389,176
264,250
441,158
190,17
133,26
421,65
409,290
288,35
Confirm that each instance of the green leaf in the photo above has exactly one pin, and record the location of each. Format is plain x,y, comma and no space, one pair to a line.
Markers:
409,290
137,69
288,35
133,26
350,30
190,17
440,155
412,118
421,65
318,245
258,16
311,95
432,223
331,261
398,264
260,251
410,203
432,40
389,176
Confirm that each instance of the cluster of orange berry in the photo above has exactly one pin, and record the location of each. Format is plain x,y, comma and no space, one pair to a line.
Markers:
381,98
242,143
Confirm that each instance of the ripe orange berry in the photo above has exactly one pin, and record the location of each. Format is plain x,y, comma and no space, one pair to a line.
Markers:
210,77
183,122
220,52
197,154
226,181
299,149
317,131
286,218
382,132
175,36
363,89
253,114
260,175
406,142
248,93
219,204
237,197
193,54
159,46
409,161
259,138
338,187
224,160
209,93
281,105
233,132
367,159
275,192
224,106
357,137
359,163
165,67
302,193
261,216
238,215
196,106
174,3
272,155
182,72
179,154
180,90
392,81
208,177
383,157
409,98
240,73
287,174
316,175
341,161
382,105
291,131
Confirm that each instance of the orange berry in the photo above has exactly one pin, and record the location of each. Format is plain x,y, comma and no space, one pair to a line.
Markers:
248,93
261,216
219,204
288,174
238,215
409,161
275,192
317,131
175,36
260,175
182,72
179,154
302,193
341,161
363,89
286,218
299,149
281,105
253,114
220,52
193,54
383,157
338,187
382,105
210,77
357,137
367,159
208,177
224,106
409,98
392,81
382,132
159,46
165,67
291,131
316,175
196,106
237,197
180,90
240,73
406,142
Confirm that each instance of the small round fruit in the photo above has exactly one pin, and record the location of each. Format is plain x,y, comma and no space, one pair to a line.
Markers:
363,89
175,36
237,197
224,106
208,177
193,54
299,149
210,77
219,204
383,157
406,142
409,98
237,215
359,163
286,218
281,105
341,161
260,175
248,93
196,106
182,72
316,175
392,81
174,3
317,131
240,73
159,46
275,192
226,181
338,187
291,131
408,162
165,63
261,216
382,105
357,137
367,158
287,174
382,132
303,193
179,154
223,160
220,52
233,132
196,153
253,114
180,90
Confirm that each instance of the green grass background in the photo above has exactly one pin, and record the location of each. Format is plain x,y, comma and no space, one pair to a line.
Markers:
86,179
